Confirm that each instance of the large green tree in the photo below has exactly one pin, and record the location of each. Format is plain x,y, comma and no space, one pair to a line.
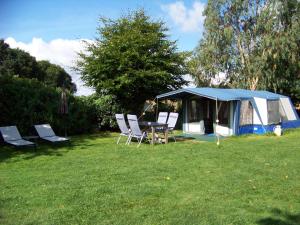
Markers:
16,62
256,43
56,76
132,59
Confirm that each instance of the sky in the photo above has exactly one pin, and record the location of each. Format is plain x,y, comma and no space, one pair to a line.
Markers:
54,29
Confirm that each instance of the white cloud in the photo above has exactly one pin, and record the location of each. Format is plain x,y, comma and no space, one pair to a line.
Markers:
59,51
189,20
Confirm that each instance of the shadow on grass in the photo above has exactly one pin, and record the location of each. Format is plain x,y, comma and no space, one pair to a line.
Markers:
78,139
10,152
83,142
196,138
181,138
280,217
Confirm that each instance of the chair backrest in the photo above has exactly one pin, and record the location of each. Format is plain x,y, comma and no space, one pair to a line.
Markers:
122,124
134,125
44,130
172,120
162,117
10,133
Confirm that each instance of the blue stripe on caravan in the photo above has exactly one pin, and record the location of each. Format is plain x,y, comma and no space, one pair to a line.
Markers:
252,129
260,129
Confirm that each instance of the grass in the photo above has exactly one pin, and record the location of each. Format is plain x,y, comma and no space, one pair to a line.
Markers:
247,180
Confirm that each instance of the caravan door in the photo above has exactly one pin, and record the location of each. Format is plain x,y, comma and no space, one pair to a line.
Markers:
194,112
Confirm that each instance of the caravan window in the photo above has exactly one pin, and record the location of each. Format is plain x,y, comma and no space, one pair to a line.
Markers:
246,113
194,108
283,115
223,112
287,112
273,112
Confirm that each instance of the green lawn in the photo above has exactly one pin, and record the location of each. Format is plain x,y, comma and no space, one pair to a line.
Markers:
247,180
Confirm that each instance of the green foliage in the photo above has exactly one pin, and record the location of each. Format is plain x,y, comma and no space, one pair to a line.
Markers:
255,43
106,107
55,76
82,117
133,60
25,102
16,62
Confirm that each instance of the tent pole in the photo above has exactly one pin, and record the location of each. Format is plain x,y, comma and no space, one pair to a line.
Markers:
217,122
156,109
217,116
144,111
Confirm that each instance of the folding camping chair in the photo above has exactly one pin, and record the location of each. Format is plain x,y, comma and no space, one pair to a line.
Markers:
123,127
172,120
135,130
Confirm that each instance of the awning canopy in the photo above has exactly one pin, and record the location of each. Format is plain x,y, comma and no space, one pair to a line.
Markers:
220,94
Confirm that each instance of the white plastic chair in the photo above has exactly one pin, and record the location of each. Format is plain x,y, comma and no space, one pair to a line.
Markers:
162,117
46,133
123,127
172,120
12,136
135,130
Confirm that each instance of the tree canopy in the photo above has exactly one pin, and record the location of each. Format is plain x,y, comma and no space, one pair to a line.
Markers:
255,43
132,59
16,62
56,76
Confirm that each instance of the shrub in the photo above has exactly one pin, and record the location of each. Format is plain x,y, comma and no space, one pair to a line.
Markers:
106,107
25,102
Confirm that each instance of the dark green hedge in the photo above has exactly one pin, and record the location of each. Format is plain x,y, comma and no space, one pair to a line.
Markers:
25,102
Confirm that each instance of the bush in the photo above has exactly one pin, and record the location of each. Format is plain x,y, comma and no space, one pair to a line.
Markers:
106,107
25,102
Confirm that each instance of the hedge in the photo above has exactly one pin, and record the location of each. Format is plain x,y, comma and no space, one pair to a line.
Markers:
25,102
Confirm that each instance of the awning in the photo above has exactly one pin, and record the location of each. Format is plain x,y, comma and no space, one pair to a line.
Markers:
220,94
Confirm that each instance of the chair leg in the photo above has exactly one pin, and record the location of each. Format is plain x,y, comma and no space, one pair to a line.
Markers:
141,139
118,139
174,138
129,140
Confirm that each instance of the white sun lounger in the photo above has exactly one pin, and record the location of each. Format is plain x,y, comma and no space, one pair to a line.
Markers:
46,133
12,136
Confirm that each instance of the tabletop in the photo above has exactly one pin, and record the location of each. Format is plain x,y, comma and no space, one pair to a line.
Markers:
152,124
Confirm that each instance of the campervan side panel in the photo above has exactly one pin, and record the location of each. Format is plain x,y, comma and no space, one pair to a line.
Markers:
288,108
262,110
